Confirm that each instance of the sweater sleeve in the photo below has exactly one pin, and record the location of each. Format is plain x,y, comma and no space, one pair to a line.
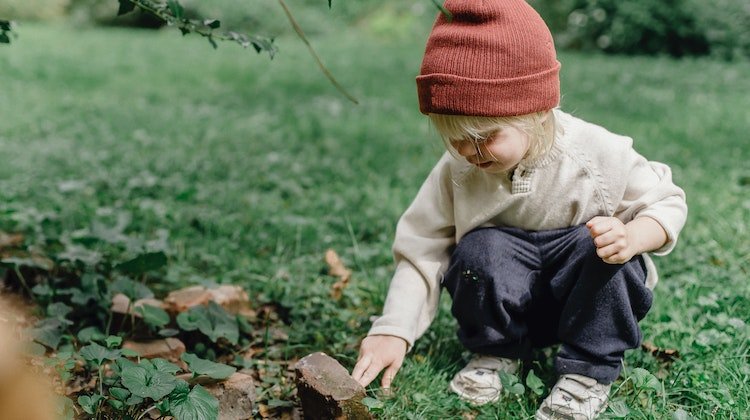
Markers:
650,192
425,235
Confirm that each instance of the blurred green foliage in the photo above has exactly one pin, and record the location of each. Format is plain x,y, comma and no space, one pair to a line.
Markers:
674,27
263,17
33,9
725,24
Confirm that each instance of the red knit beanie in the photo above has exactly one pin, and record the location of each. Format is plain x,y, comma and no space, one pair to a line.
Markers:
493,58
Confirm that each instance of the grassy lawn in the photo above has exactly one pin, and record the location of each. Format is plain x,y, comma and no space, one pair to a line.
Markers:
253,168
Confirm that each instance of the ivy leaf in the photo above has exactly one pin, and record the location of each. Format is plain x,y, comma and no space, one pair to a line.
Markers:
134,400
644,379
130,353
517,389
42,290
119,393
163,406
153,316
147,383
116,404
132,289
211,320
511,384
176,8
58,310
164,366
126,6
206,367
534,383
90,334
197,404
143,263
113,341
49,332
91,289
168,332
79,254
98,354
89,403
372,404
619,409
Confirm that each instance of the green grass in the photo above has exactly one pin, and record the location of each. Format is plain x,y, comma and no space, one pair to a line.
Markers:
256,167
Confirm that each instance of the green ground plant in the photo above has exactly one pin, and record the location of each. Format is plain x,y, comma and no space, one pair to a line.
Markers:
243,170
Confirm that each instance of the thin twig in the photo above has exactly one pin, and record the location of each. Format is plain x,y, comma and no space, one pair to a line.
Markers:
322,66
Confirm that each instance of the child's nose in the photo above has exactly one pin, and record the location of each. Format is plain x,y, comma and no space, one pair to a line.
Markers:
465,148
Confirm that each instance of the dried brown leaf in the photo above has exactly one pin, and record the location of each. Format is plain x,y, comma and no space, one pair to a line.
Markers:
661,354
336,268
10,240
264,411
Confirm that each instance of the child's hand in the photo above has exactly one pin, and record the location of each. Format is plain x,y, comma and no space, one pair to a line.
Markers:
376,353
611,239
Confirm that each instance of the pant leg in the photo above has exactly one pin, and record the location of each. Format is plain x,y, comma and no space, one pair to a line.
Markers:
490,279
601,304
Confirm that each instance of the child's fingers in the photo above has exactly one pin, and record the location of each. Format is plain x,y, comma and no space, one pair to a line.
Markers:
371,373
359,369
611,237
389,374
607,251
599,225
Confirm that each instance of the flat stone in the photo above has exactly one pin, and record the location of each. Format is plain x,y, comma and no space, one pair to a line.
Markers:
121,304
236,396
184,299
167,348
232,298
327,391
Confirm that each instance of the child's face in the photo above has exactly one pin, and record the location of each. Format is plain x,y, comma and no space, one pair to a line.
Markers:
501,151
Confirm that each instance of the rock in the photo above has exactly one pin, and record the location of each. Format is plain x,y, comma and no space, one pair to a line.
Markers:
184,299
121,303
327,391
168,348
236,396
232,298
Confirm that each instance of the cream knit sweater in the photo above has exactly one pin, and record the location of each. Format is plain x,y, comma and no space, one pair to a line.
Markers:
588,172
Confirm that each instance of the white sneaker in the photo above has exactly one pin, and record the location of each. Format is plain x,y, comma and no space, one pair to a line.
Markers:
574,397
478,382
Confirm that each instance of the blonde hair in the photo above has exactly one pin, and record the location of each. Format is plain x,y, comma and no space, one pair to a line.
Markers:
540,126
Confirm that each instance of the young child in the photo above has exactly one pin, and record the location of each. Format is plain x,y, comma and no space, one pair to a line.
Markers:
537,223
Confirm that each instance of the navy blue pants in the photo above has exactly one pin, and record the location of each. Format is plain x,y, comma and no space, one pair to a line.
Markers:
516,290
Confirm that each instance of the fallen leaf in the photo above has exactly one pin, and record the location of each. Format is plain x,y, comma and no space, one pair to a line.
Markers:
10,240
662,354
264,411
336,268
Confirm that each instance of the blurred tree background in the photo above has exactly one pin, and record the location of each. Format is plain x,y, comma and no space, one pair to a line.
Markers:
122,143
678,28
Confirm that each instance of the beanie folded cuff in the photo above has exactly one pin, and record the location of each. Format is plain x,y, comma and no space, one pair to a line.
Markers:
455,95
